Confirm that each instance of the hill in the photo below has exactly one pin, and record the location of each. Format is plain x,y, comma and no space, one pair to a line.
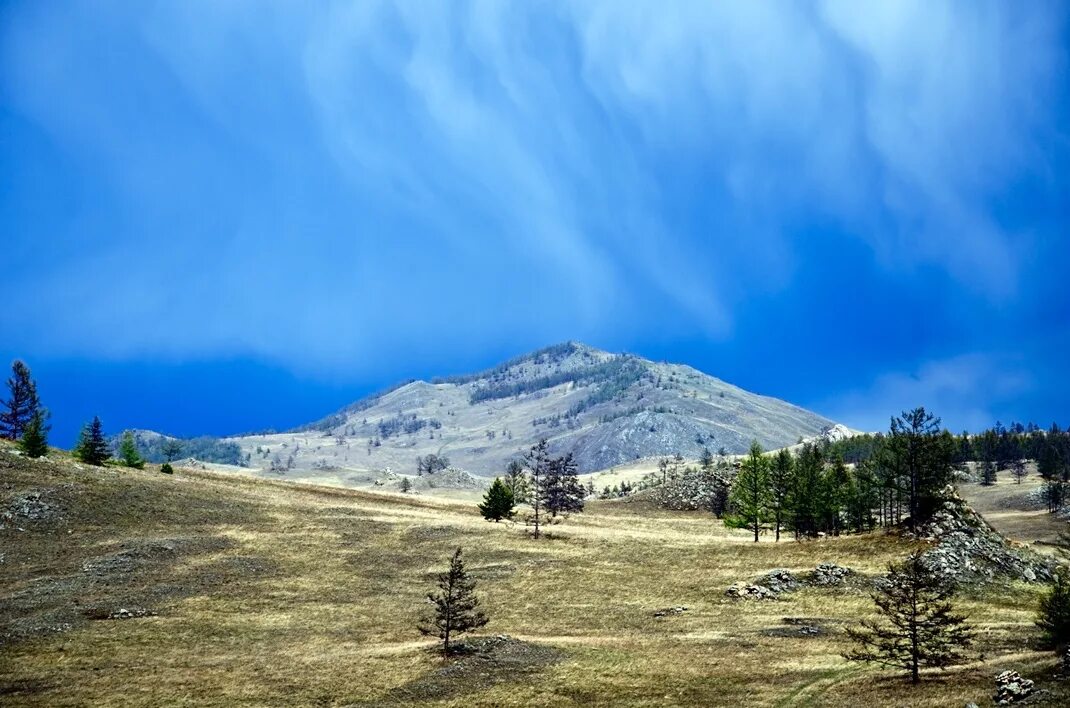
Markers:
607,409
130,587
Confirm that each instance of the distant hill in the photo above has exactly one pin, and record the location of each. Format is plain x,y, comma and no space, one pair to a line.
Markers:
606,409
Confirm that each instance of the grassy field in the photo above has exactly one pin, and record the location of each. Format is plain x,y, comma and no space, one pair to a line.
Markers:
268,593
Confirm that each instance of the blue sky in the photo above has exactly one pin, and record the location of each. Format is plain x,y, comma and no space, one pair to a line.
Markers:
229,216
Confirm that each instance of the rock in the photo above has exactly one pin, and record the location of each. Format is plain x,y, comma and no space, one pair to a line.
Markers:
829,574
670,611
967,550
746,591
779,580
1011,688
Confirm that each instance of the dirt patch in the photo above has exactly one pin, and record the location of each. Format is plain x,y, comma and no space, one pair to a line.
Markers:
478,663
136,575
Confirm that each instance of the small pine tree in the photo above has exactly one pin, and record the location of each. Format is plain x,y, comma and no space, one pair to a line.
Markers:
166,468
921,629
1018,470
406,485
517,481
497,502
18,410
1053,617
92,448
456,605
172,448
988,473
128,453
34,442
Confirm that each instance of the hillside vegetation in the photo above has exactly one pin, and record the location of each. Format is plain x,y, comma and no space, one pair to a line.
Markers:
128,587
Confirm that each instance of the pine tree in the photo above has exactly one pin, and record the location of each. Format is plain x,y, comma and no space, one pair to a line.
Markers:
19,409
1053,617
34,442
128,453
560,488
456,605
835,484
750,491
497,502
92,448
406,485
988,473
806,493
538,462
517,481
920,628
1018,470
921,454
781,482
171,449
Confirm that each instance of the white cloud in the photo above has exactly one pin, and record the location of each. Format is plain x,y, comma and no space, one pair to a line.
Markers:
965,391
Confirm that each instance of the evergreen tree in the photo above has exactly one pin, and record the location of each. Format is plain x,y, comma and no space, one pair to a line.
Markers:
128,453
497,502
1053,617
34,441
560,488
862,496
406,485
806,494
919,627
92,448
537,460
781,482
1018,470
171,449
19,409
835,485
988,473
750,491
922,455
456,605
517,481
166,468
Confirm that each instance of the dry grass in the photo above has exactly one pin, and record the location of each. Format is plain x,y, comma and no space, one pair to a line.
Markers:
1011,510
299,595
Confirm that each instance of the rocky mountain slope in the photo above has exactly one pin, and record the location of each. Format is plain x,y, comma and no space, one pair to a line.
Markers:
606,409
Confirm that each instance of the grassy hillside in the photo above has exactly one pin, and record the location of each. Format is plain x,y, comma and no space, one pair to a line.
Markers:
269,593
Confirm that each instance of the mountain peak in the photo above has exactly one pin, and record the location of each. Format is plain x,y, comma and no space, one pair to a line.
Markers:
604,408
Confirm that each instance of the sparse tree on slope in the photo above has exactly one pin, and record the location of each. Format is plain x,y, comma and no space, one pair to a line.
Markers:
781,481
919,627
1018,470
750,491
560,488
456,605
517,482
34,441
497,502
128,453
171,449
92,448
1054,615
19,409
538,462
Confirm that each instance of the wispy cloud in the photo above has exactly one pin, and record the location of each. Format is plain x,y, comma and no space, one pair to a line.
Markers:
333,185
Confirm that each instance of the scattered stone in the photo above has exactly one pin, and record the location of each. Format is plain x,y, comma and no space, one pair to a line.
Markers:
747,591
670,611
779,580
967,550
829,574
33,505
1011,688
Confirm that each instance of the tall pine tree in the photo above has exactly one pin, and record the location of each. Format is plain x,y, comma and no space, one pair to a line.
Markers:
22,403
560,488
781,482
750,491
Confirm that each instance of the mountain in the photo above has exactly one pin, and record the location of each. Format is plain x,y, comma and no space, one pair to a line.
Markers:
606,409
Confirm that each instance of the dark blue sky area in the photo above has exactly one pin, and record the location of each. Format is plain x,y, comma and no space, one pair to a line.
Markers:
225,217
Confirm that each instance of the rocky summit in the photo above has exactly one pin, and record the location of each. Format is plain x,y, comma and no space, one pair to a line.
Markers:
606,409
